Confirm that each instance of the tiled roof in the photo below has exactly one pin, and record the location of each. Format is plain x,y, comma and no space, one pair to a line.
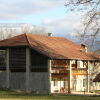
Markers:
53,47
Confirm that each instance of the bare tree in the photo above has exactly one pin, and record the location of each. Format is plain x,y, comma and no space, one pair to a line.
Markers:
8,30
91,21
29,28
89,31
6,33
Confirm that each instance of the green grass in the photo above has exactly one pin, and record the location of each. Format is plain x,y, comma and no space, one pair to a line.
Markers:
5,95
96,91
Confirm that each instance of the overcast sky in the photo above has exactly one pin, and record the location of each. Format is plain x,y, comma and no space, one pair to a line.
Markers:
49,14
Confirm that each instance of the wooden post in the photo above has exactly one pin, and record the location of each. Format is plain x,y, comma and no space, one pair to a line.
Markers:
60,85
7,70
49,75
88,77
28,64
75,63
69,77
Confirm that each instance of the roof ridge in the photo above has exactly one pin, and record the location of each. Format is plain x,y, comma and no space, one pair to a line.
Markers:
45,35
26,35
54,37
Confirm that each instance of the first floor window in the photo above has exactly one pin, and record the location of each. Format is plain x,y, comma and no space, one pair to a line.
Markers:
55,82
84,82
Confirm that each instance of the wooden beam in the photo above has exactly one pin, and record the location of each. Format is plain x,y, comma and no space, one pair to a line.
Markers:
69,77
88,77
49,75
85,63
7,70
75,63
96,63
76,74
28,64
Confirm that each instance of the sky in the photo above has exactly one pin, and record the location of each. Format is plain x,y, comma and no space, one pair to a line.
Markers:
52,15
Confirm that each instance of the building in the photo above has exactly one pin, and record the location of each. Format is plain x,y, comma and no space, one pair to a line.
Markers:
96,81
45,64
97,78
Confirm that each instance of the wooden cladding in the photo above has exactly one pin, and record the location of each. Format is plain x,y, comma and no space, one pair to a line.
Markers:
79,72
2,59
39,62
57,75
17,58
60,63
39,69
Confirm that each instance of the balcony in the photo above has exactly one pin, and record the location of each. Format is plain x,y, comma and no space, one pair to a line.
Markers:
58,71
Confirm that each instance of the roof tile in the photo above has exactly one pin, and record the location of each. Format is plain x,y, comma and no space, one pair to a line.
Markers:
53,47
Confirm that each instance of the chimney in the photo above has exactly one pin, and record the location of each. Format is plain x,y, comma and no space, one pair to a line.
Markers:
84,47
49,34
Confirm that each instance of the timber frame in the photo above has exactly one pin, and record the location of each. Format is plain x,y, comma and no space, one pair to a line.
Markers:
70,70
38,59
67,70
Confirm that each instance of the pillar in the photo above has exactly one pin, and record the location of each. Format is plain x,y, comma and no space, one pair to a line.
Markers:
49,75
69,77
28,64
7,69
88,77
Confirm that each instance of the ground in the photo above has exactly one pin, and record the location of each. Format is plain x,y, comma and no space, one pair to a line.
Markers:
5,95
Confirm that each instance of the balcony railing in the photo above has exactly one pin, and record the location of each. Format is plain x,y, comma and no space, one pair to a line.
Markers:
62,70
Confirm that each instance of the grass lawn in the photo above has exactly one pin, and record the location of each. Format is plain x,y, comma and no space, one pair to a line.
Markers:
5,95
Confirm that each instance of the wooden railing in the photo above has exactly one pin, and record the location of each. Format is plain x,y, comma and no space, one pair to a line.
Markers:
79,71
75,71
59,70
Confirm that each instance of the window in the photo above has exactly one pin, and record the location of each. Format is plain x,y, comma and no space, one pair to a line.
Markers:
84,82
64,84
78,64
55,82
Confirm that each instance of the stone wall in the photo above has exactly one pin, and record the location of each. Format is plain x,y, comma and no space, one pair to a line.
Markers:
17,81
2,80
38,81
